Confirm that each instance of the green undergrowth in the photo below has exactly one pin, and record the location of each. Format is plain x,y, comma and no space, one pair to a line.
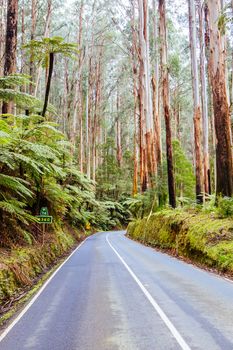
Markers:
201,237
20,267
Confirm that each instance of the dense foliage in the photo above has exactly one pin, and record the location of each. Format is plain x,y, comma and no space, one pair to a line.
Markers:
37,170
86,155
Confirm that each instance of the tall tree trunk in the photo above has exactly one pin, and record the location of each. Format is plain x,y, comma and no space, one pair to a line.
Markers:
46,34
33,30
210,98
65,99
134,59
11,45
204,98
118,132
78,98
88,122
155,86
135,175
22,40
2,34
48,85
80,95
166,102
143,172
220,102
196,102
145,82
231,94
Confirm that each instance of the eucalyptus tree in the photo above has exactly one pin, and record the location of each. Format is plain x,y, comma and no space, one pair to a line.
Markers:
204,97
145,100
10,44
156,92
197,118
166,101
217,64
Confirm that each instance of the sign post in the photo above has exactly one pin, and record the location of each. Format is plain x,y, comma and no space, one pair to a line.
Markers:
44,218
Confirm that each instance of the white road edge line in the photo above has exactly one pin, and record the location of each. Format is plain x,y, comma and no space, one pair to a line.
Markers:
155,305
27,307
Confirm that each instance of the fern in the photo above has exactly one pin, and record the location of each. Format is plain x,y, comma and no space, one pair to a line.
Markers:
17,209
14,80
15,184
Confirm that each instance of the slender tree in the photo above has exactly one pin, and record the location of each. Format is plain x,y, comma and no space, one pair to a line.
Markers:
166,102
146,99
118,132
204,97
155,85
134,64
196,102
78,97
2,34
33,30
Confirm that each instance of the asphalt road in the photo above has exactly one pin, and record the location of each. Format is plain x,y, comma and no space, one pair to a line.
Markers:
113,293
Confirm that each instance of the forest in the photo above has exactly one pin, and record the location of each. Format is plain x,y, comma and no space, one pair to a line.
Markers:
113,110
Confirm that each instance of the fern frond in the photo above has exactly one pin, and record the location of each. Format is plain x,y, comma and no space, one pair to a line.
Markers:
14,80
16,209
16,184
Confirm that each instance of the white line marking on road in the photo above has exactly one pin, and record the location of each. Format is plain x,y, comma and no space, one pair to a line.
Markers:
155,305
27,307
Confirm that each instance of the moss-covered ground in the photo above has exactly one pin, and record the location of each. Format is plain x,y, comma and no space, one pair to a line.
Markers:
201,237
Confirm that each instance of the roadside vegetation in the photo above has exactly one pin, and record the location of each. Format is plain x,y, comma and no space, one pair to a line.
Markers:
112,114
202,237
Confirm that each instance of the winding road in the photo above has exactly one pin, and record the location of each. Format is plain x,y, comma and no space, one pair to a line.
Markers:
115,294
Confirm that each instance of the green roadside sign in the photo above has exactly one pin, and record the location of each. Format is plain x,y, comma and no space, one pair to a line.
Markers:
44,211
44,217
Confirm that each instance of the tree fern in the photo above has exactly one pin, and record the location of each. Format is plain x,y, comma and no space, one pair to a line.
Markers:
15,184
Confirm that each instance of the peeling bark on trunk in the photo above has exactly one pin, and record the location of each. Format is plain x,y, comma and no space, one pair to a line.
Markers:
210,95
220,102
166,106
196,103
145,93
204,98
143,174
198,155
